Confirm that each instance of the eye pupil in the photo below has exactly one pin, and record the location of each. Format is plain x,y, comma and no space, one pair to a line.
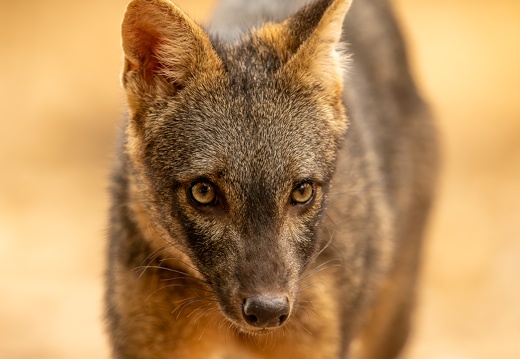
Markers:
203,193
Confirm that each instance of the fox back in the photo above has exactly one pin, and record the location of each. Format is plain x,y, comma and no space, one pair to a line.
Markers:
271,187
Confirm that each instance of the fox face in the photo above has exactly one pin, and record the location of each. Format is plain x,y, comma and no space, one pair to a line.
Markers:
233,147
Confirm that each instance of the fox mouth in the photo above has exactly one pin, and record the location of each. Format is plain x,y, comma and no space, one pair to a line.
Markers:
254,314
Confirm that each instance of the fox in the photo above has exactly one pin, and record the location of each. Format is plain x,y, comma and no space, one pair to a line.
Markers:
273,180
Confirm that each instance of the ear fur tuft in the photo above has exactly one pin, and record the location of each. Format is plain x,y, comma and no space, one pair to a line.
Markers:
321,55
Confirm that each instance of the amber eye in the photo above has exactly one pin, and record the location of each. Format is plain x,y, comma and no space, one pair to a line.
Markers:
302,193
203,193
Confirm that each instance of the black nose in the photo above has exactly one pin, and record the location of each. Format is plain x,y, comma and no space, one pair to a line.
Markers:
266,311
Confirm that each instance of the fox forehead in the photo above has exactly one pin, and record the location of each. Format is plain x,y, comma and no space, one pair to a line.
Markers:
263,130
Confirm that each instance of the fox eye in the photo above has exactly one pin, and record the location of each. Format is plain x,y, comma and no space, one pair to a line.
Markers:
203,193
302,193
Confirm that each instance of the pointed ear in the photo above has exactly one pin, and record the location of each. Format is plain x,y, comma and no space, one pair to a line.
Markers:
164,49
317,29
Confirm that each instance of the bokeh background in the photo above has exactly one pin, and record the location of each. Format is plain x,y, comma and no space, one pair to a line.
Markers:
60,104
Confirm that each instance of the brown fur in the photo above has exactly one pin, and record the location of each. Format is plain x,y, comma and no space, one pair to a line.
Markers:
256,117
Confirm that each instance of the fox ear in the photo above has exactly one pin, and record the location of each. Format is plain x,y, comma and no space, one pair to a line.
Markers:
317,29
164,49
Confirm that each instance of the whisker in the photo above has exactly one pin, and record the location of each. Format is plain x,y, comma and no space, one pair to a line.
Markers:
314,285
170,270
329,242
167,286
207,325
185,299
187,304
179,260
302,325
291,328
321,267
205,313
223,323
168,241
151,257
199,308
307,310
189,301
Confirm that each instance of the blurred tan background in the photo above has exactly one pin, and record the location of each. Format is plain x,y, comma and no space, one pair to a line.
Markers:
60,103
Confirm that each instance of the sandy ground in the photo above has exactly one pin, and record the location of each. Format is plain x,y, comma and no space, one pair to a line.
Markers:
60,103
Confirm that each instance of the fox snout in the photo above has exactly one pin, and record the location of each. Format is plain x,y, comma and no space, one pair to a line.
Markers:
266,311
256,309
262,290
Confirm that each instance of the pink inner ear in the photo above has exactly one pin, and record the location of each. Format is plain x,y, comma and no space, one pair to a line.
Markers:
144,44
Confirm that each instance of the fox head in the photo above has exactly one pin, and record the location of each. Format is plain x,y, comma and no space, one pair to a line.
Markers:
233,146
